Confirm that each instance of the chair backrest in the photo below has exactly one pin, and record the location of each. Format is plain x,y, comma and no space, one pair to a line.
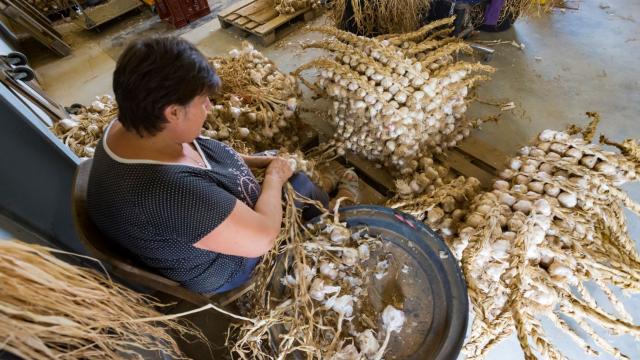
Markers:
104,250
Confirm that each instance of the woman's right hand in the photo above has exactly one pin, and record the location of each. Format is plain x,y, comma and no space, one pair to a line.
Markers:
279,170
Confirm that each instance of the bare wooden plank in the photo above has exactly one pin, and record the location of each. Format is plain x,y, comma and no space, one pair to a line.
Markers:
263,15
308,137
232,17
379,179
484,152
277,21
254,8
267,39
241,21
223,23
251,24
239,5
462,165
369,195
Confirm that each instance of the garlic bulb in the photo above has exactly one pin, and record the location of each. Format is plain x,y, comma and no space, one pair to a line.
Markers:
367,343
340,234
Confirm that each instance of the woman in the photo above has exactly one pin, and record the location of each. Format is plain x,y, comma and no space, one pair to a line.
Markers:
186,206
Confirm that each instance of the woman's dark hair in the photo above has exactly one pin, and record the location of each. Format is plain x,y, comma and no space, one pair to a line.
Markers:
154,73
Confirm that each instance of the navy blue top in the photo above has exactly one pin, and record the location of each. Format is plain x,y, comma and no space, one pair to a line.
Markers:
157,211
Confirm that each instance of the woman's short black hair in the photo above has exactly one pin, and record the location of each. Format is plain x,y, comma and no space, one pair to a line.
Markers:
154,73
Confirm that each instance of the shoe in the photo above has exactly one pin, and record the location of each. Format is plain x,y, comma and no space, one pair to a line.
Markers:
348,188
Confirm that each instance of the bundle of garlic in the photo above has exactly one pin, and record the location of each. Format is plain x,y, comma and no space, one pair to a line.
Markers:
285,7
81,131
554,223
389,105
320,310
443,207
298,162
257,104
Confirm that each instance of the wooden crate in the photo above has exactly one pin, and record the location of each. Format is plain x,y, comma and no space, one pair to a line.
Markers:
259,18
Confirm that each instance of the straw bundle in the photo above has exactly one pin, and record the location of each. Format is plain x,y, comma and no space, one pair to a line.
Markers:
514,9
380,16
51,309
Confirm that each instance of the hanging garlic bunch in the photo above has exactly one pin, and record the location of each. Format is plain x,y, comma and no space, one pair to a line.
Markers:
257,104
81,131
553,223
285,7
388,105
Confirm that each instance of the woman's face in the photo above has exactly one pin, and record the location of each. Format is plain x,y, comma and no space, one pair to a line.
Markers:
194,115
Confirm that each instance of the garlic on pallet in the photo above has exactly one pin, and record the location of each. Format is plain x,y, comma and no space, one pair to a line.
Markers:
286,7
257,104
388,105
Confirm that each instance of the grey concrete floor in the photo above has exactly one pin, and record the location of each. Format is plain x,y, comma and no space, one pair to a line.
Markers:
572,62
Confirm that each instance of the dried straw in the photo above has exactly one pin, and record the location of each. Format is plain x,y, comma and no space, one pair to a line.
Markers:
51,309
381,16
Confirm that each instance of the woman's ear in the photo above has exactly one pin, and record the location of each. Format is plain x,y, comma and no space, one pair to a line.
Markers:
172,113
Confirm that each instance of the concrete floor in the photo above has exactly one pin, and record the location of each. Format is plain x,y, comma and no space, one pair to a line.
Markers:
572,62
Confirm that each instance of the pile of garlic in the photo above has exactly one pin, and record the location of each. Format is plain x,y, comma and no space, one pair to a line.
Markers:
286,7
553,223
395,106
257,105
81,131
323,309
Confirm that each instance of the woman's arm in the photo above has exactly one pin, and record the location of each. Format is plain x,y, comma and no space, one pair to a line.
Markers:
257,162
252,232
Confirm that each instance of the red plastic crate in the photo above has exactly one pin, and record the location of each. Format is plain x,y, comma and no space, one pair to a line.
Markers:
179,12
195,9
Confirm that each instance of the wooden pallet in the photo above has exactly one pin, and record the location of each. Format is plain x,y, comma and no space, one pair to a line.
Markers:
258,17
472,157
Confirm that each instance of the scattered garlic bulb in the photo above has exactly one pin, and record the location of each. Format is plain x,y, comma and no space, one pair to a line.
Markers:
82,130
367,343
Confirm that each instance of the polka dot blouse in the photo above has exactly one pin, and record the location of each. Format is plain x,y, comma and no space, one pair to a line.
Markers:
157,211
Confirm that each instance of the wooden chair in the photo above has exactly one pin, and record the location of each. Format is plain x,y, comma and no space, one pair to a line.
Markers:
122,265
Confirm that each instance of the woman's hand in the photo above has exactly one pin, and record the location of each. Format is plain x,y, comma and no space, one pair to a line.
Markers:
279,170
257,162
